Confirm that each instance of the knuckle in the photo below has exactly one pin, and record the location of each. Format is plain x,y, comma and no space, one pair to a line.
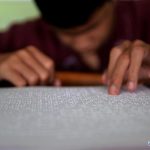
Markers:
138,50
31,48
49,64
133,71
131,77
115,80
125,57
139,47
115,50
138,42
22,52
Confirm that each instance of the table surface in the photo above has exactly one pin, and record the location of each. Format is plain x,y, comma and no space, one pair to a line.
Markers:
73,118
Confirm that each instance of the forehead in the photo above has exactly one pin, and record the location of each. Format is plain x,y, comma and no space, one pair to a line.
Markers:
93,21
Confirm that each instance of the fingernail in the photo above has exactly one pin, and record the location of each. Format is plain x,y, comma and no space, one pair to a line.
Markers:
113,90
131,86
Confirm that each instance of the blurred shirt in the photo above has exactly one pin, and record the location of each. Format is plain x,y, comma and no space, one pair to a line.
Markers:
132,21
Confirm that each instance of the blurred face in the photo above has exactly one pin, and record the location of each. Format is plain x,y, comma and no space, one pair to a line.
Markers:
89,37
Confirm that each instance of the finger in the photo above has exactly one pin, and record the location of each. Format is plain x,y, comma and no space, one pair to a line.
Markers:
114,55
35,65
43,59
147,55
57,83
14,77
31,77
144,75
137,55
104,78
118,74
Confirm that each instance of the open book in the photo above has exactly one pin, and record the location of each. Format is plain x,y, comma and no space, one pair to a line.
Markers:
74,118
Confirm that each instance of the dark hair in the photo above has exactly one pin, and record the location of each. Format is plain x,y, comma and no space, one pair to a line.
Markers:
68,13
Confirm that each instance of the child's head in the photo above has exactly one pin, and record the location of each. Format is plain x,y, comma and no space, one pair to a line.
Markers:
81,24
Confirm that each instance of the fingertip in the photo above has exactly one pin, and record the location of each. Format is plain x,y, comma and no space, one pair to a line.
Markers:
131,86
57,83
21,84
113,90
104,79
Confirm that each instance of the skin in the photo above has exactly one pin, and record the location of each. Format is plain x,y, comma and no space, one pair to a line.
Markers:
129,61
89,37
27,66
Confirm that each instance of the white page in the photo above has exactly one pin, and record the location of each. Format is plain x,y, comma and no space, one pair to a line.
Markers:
87,118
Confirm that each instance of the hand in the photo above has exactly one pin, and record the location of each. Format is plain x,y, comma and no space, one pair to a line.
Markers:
129,63
27,66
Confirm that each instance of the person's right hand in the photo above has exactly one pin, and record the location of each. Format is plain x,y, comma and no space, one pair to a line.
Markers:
27,66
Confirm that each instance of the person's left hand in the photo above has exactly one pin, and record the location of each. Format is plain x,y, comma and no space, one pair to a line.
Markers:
129,63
